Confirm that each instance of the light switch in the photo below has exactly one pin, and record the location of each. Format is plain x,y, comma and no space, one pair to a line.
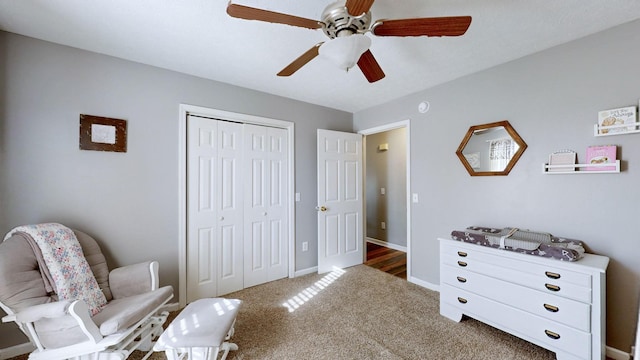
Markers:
297,197
414,197
383,191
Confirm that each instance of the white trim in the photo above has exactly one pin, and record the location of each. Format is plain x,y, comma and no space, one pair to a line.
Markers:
424,284
616,354
170,307
386,244
184,110
392,126
16,350
307,271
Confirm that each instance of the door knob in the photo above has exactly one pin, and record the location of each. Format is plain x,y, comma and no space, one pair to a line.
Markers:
321,208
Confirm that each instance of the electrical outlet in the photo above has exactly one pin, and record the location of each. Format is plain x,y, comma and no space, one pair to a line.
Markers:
383,225
305,246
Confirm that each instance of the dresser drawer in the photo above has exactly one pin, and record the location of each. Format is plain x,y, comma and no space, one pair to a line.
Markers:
496,256
521,276
544,332
566,311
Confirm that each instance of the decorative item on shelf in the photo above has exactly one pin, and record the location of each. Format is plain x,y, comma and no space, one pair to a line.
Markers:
617,121
562,157
600,159
601,154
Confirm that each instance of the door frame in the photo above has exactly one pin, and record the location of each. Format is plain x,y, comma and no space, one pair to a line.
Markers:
184,111
379,129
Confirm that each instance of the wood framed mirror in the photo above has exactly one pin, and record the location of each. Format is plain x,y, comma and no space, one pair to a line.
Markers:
491,149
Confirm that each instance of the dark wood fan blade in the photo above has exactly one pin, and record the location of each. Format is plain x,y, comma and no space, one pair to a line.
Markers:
249,13
440,26
358,7
370,67
301,61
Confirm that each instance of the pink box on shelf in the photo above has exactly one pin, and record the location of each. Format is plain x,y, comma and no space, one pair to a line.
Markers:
601,154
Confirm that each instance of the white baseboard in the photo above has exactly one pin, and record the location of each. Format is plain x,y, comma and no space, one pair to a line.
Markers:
424,284
311,270
16,350
616,354
387,244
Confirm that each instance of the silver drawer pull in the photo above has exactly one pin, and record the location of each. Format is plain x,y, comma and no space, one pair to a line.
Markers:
551,308
462,300
552,287
462,263
461,279
462,254
552,275
551,334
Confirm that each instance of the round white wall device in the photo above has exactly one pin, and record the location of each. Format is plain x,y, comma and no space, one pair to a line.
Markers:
423,107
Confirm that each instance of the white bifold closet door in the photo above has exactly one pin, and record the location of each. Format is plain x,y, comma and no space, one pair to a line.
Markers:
265,205
237,231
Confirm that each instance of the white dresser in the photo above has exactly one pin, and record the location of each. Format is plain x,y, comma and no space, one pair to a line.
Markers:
555,304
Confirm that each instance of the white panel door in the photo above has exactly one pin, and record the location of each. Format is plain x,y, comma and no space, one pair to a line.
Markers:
229,206
278,213
237,205
340,200
202,222
266,225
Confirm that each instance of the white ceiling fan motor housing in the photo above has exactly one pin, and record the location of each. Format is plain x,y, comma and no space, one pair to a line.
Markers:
337,21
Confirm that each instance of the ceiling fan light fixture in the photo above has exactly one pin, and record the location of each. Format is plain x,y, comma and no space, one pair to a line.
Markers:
345,51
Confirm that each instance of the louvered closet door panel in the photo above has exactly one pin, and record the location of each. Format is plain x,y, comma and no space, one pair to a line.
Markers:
202,222
229,204
265,252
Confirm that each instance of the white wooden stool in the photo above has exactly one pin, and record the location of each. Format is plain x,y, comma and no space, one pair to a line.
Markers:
201,330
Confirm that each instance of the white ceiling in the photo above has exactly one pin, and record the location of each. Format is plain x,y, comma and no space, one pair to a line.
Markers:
197,37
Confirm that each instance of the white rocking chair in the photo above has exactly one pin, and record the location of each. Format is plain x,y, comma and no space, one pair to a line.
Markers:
59,330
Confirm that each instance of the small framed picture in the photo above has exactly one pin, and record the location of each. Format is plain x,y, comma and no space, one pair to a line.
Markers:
103,134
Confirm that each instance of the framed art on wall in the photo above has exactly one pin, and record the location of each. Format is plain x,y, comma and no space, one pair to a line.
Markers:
102,133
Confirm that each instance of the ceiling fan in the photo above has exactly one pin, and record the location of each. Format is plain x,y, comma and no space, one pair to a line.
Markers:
345,22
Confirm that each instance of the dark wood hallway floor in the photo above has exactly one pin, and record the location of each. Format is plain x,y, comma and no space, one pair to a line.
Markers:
386,259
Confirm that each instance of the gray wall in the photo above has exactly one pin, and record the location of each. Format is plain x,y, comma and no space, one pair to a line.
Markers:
552,99
127,201
387,169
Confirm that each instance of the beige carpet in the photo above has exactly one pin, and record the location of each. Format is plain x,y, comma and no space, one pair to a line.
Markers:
360,314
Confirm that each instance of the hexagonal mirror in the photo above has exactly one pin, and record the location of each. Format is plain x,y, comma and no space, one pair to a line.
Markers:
491,149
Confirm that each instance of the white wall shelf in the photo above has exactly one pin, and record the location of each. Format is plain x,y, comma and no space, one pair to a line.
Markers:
626,129
547,169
